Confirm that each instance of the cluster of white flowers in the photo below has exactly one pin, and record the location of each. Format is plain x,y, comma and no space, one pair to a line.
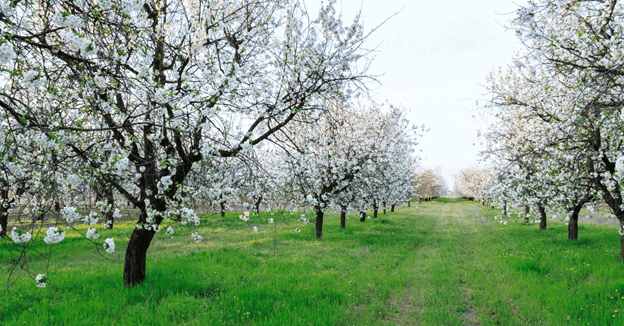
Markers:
70,214
41,280
7,54
20,236
198,238
255,228
131,6
74,41
270,220
91,218
67,20
189,215
170,231
32,79
53,235
164,184
109,245
92,234
244,217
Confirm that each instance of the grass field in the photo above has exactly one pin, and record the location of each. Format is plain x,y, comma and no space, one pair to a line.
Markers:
446,262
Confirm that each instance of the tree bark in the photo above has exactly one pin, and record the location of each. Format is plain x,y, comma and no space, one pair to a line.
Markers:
4,221
409,202
375,210
362,216
343,218
526,213
384,208
505,208
573,223
136,253
222,208
110,201
257,205
392,208
319,223
542,213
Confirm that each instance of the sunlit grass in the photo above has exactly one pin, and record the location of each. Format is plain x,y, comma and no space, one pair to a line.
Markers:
445,262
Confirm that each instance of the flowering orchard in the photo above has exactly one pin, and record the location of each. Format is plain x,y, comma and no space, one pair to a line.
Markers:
167,106
556,137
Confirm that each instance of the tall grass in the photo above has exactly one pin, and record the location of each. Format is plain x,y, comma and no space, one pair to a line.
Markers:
441,263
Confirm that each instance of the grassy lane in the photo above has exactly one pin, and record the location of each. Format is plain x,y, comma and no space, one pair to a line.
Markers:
443,263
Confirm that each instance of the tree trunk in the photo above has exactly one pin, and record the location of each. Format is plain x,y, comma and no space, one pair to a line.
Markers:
542,213
384,208
319,222
343,217
4,212
222,208
136,253
526,213
573,223
392,208
505,208
375,210
409,202
4,221
362,216
110,201
257,205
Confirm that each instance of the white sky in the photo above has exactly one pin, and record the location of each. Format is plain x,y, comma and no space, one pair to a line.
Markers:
433,56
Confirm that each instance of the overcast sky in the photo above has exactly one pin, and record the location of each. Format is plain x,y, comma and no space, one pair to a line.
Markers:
433,57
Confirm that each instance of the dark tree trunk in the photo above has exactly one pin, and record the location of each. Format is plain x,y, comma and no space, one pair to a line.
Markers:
573,223
526,213
375,210
222,209
136,253
392,208
319,222
4,221
362,216
542,213
409,203
343,217
384,208
257,205
505,208
4,214
110,201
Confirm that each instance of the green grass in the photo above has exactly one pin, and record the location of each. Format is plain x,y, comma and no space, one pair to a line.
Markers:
445,262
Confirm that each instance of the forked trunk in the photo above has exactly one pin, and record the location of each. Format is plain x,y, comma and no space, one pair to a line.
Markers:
136,254
392,208
362,216
343,217
319,222
542,213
